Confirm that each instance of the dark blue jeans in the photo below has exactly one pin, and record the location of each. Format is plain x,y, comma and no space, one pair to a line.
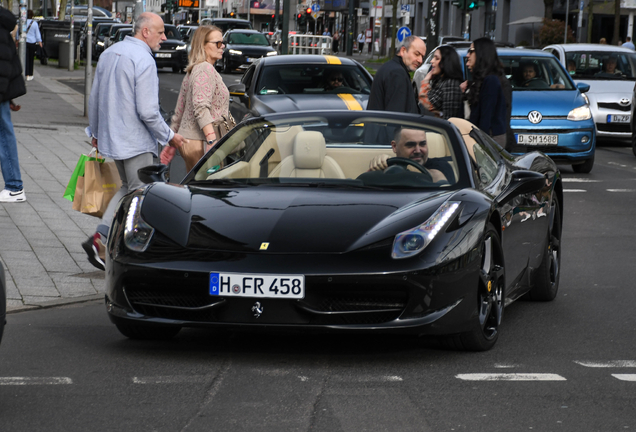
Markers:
9,151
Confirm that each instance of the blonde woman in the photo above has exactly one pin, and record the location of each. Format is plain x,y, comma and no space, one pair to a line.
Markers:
203,98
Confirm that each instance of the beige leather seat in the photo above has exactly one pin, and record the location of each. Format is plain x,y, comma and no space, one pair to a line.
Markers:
308,159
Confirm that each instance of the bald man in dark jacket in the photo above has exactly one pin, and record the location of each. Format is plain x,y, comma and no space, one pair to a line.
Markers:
11,86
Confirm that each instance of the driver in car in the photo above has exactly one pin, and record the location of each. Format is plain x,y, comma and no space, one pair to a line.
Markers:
410,144
334,80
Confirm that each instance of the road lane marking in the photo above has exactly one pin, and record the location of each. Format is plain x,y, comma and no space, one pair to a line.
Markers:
574,190
617,164
174,379
505,366
35,380
607,364
620,190
510,377
625,377
368,378
579,180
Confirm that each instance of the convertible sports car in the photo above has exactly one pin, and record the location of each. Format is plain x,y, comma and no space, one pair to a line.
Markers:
300,82
282,225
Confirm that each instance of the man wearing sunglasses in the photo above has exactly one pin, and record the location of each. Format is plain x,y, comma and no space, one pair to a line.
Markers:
124,117
334,80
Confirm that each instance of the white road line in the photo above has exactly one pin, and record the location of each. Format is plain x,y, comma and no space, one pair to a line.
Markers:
368,379
574,190
579,180
173,379
620,190
607,364
617,164
505,366
35,380
625,377
510,377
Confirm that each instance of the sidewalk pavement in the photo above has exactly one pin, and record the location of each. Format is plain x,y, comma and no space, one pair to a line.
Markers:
40,239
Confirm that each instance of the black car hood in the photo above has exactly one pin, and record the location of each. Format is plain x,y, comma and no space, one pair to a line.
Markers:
290,219
302,102
250,50
171,44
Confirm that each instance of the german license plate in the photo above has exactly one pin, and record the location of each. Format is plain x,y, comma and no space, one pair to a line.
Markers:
619,118
257,285
531,139
163,55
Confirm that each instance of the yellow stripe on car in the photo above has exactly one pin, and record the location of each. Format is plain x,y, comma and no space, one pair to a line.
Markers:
350,101
332,59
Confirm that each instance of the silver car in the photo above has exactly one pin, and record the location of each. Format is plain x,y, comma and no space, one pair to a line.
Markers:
611,73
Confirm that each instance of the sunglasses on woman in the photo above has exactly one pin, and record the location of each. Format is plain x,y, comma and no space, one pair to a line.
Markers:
471,50
219,44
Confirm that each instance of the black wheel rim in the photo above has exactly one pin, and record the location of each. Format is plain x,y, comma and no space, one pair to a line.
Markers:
491,289
554,245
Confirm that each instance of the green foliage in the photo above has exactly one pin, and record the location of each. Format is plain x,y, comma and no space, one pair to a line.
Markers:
553,32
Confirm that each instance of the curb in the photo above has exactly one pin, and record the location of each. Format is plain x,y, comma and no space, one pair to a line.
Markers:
55,303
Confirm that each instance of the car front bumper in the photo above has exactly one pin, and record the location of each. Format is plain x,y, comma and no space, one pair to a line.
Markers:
173,59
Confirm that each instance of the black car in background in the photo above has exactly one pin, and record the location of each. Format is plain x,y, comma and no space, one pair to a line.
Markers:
99,25
242,48
121,34
173,52
108,40
226,24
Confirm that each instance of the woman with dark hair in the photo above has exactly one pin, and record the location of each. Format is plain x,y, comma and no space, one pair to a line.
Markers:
440,91
489,109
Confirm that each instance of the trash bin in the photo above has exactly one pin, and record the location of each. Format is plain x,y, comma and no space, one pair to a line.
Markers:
63,51
54,32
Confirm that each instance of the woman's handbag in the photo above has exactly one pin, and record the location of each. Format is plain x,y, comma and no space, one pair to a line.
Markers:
223,126
41,53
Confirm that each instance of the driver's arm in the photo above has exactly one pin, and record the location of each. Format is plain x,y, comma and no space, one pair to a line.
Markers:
378,163
437,175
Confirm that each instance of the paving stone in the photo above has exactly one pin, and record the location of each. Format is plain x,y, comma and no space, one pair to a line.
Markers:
70,286
56,259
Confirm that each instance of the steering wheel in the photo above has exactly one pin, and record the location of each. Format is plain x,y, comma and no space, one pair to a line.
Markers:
404,162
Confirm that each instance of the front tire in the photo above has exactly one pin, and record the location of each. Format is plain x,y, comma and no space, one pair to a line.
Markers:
490,298
585,167
147,332
546,282
225,65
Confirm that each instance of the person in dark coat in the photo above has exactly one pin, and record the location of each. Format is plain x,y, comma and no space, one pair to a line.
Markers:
392,89
11,86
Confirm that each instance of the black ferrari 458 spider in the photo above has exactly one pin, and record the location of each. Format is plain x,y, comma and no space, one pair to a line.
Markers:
284,225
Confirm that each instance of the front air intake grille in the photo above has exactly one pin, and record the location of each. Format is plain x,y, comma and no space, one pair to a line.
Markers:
615,106
614,127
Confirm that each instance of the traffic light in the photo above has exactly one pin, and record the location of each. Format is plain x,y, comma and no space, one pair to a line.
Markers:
308,11
473,4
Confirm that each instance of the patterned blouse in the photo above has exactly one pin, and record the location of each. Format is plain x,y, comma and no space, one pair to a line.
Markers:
443,96
203,99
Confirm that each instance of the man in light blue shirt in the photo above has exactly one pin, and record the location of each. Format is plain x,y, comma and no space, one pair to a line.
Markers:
123,114
629,43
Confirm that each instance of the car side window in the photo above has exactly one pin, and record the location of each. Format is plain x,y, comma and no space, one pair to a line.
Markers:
247,78
486,157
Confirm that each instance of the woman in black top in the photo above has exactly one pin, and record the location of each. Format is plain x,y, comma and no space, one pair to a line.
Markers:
485,93
440,92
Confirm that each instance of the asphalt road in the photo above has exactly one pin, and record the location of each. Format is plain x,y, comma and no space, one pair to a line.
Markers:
567,365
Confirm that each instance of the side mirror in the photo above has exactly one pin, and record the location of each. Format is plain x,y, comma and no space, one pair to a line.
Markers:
583,88
237,89
522,182
153,173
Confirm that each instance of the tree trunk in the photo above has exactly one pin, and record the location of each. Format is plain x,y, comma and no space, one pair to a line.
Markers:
394,3
549,6
617,21
590,20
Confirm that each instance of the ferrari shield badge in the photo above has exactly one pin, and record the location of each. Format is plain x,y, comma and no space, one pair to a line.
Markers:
264,246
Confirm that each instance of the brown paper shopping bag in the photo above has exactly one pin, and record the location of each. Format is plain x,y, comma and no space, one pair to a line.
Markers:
101,183
79,193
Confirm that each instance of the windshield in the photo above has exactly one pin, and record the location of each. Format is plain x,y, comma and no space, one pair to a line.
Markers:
331,152
172,33
602,65
535,73
247,39
312,79
103,30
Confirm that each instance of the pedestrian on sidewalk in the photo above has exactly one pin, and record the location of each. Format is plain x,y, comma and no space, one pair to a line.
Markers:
361,40
125,123
203,99
391,89
33,40
628,43
335,42
440,91
11,86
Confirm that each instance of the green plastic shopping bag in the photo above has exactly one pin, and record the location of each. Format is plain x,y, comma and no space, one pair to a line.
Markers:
69,193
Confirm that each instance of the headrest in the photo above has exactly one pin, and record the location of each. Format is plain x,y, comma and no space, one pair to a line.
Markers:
464,126
309,150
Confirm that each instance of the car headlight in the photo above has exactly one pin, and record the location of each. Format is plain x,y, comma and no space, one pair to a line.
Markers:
235,52
100,43
181,47
137,233
272,53
413,241
580,113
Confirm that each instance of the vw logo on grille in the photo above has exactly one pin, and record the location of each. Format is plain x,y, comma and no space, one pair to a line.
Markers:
535,117
624,101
